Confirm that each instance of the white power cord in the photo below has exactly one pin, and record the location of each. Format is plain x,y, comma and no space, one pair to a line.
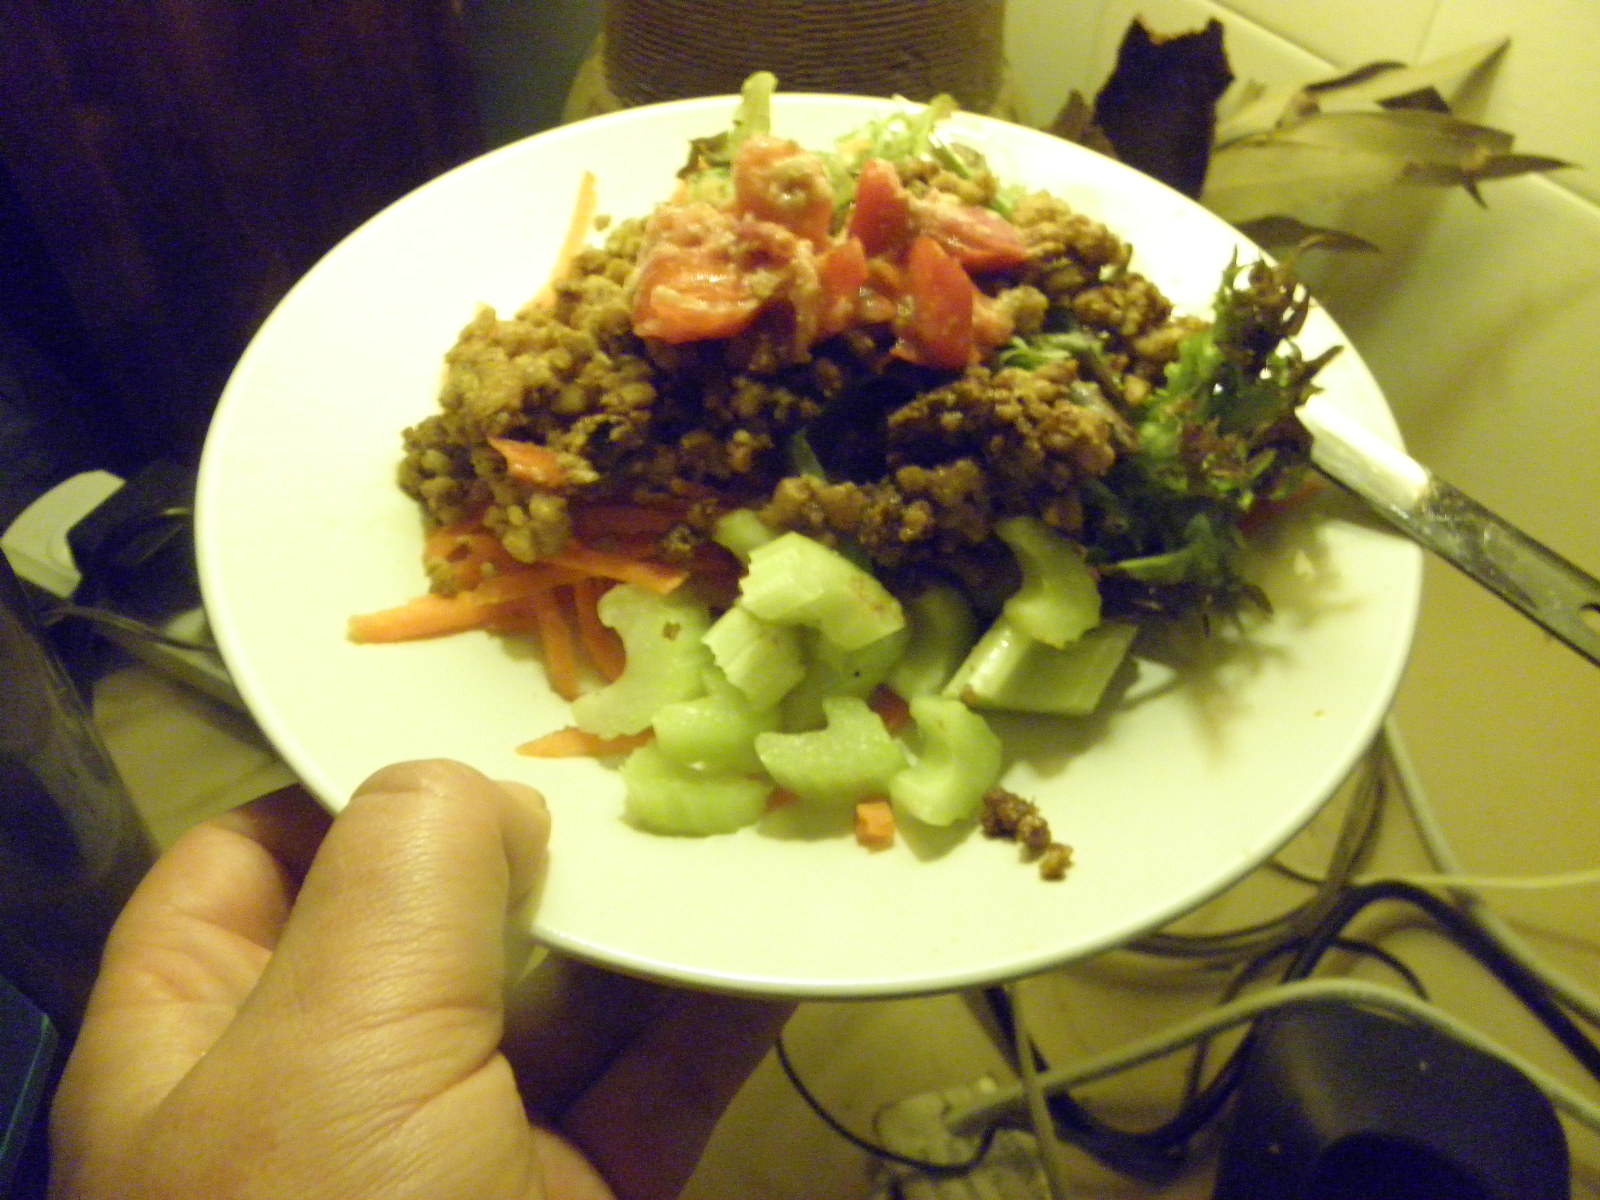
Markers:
1028,1095
1009,1100
1457,880
1035,1101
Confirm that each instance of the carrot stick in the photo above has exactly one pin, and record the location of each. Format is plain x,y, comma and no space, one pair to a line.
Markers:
573,742
595,522
427,616
520,582
559,643
599,641
530,463
577,230
467,550
652,576
874,824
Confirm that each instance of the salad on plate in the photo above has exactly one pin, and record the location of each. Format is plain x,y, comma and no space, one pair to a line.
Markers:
837,452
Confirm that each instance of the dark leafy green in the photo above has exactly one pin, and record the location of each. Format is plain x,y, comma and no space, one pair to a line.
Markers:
1218,438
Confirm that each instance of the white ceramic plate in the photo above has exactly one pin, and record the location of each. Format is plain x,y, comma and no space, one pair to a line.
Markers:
1215,754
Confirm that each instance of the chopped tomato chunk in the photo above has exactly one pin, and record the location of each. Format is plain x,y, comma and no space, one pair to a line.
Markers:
979,238
842,273
881,217
938,329
779,181
688,294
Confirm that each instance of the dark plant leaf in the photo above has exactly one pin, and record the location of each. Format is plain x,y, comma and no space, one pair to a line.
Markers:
1075,122
1365,73
1158,107
1425,99
1285,235
1503,166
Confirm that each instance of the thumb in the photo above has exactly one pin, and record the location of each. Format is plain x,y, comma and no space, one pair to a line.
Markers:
402,917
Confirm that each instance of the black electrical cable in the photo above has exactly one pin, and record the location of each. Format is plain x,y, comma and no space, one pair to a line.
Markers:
1160,1151
1127,1153
1207,1104
1204,1104
926,1166
1468,934
1254,969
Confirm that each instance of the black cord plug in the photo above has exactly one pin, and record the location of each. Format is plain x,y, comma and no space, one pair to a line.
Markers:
136,551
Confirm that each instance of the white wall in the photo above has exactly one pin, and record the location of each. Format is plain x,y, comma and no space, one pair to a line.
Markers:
1483,325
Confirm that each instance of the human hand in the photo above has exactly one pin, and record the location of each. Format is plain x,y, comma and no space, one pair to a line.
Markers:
293,1008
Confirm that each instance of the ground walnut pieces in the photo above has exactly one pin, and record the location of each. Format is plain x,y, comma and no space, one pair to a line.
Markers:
1007,815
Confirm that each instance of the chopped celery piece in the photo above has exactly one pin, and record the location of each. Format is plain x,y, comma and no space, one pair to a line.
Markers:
853,757
663,639
943,629
958,759
665,796
1059,598
1009,670
715,732
761,658
740,532
831,671
796,580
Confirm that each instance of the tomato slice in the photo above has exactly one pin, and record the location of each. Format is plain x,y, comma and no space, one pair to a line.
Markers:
980,239
938,330
780,181
881,217
690,295
842,273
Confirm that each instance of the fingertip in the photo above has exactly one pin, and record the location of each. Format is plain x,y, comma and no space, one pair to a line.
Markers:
524,818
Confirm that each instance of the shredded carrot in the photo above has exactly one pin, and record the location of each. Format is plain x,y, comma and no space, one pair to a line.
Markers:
492,604
530,463
891,708
874,823
427,616
467,551
514,618
559,643
572,742
577,231
652,576
600,642
595,522
522,581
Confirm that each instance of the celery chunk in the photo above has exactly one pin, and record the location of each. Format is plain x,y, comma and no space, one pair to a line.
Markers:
761,658
853,757
665,796
1059,598
831,671
959,758
943,629
663,639
796,580
741,531
1011,671
715,732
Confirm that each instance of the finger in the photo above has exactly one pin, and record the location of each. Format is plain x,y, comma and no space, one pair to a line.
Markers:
288,824
646,1122
402,919
185,953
